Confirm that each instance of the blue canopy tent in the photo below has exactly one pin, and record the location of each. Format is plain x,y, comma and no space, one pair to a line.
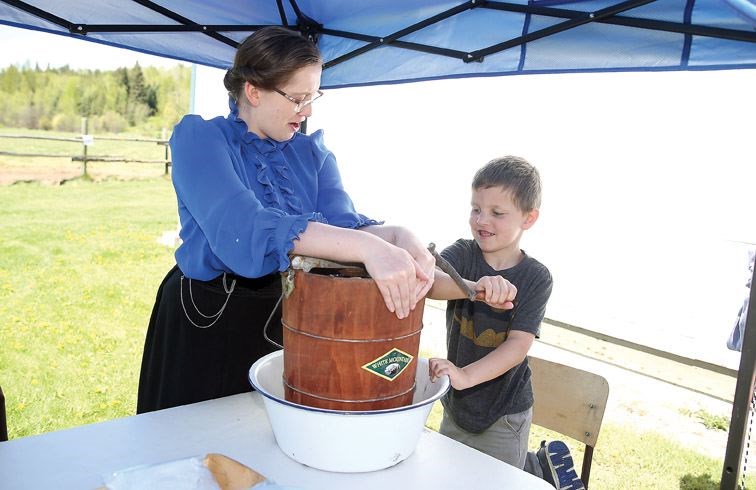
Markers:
380,42
401,41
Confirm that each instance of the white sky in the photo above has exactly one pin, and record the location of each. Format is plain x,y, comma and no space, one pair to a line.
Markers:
20,46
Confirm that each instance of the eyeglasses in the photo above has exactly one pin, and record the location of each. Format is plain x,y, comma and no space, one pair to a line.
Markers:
300,104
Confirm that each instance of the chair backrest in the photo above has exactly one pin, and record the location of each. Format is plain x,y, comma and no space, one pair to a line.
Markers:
570,401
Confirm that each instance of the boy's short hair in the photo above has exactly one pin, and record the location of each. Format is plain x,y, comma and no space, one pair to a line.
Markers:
514,174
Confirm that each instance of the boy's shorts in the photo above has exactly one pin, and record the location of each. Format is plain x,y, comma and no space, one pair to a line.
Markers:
506,439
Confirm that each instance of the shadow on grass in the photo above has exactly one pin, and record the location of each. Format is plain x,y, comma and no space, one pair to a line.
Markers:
698,482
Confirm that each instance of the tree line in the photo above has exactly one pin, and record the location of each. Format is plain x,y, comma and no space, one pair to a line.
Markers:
141,99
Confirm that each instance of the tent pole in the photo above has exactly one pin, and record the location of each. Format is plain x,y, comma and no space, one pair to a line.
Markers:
741,405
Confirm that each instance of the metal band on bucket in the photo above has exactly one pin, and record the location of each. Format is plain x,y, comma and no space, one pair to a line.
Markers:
334,339
366,400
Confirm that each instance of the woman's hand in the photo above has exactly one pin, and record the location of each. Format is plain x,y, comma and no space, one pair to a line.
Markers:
396,274
457,376
424,261
393,257
499,293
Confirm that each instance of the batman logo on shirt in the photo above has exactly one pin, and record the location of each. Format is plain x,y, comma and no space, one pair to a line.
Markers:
488,338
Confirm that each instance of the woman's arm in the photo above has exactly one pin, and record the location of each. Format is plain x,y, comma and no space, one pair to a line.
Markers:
403,278
405,239
393,269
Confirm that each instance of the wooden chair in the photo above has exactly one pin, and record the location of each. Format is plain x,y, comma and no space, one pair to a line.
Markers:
569,401
3,422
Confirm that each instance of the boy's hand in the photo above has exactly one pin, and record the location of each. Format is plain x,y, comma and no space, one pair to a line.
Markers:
457,376
499,293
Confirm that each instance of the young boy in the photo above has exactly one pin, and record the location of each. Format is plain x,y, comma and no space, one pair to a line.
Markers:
490,405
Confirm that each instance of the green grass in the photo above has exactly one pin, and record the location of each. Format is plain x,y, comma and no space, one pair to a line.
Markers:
709,420
80,268
79,271
625,458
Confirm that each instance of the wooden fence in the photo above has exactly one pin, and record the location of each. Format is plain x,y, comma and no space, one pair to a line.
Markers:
86,139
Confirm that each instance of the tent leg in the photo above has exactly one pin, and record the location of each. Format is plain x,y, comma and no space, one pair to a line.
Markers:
741,405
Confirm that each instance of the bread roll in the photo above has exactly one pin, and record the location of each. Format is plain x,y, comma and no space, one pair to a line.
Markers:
231,474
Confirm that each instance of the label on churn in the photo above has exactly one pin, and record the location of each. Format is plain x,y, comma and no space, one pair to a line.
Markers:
389,365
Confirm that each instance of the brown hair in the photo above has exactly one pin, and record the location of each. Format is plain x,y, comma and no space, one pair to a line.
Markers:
268,58
514,174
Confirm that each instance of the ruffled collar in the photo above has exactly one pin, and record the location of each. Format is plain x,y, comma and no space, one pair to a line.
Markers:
264,146
272,168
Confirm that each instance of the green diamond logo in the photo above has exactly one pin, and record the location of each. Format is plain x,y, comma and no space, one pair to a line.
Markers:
390,365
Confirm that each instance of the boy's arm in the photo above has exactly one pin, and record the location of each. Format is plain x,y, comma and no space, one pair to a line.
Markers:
444,287
496,291
509,354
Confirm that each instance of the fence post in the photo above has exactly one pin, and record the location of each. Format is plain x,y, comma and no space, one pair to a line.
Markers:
84,132
163,136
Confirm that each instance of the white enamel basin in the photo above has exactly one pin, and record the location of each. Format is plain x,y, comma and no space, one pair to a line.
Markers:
341,441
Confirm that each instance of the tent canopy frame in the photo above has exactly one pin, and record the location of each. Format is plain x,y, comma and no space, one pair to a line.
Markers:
313,29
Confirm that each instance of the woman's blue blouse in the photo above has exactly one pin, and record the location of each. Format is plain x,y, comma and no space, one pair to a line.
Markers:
242,200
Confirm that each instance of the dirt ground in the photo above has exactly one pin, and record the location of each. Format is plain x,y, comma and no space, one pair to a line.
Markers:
51,171
646,392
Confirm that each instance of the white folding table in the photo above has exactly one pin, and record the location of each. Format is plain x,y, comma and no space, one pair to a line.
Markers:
238,427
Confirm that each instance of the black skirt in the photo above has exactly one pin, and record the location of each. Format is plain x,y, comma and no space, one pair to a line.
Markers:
193,354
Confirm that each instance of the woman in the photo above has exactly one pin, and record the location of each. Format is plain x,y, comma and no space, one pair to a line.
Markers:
251,190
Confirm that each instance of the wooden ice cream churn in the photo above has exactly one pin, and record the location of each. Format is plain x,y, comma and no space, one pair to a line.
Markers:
343,349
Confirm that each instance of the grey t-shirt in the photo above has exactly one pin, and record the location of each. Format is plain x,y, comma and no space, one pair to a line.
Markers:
474,329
